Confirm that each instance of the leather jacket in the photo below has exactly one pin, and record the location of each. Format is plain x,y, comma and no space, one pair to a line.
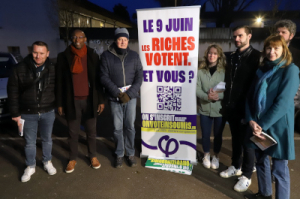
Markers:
240,73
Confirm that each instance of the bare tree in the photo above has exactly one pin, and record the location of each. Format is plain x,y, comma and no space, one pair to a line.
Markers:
283,13
225,10
171,3
121,11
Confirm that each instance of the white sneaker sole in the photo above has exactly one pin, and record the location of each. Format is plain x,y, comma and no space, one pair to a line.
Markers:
69,171
242,190
214,167
96,167
28,178
51,174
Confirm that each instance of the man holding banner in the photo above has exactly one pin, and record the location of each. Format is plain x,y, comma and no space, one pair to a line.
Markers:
121,74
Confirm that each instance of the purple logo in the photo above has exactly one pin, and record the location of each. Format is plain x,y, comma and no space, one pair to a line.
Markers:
166,148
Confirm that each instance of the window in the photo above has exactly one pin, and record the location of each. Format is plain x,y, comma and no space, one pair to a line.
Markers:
14,49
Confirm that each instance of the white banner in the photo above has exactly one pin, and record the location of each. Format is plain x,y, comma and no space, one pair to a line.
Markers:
168,43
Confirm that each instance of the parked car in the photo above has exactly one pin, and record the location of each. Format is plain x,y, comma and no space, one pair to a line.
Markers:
7,61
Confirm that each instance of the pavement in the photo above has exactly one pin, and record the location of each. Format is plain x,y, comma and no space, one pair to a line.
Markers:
108,182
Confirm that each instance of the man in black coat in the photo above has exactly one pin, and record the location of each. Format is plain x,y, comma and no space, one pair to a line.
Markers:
79,95
121,74
240,73
31,100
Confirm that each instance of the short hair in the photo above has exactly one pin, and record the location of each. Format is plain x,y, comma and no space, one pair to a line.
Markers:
286,23
40,43
77,30
221,62
277,40
248,30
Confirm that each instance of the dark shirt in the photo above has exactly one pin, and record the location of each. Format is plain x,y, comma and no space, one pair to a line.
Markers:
81,82
212,70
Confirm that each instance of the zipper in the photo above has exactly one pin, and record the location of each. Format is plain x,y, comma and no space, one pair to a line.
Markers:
122,61
231,78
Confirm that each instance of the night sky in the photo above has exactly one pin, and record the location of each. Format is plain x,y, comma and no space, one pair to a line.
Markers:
132,5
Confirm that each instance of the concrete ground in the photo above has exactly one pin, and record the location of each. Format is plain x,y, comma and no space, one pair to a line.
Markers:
108,182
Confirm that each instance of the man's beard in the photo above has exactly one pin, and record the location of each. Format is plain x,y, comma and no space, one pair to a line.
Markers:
242,44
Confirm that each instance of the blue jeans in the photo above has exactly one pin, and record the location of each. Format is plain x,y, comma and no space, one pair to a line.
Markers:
33,122
124,132
206,124
280,171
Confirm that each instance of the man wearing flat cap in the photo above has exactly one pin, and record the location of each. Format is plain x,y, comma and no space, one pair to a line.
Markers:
121,73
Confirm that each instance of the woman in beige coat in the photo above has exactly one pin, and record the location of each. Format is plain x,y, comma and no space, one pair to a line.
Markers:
211,72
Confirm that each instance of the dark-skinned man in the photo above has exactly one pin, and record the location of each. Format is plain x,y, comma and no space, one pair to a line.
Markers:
79,95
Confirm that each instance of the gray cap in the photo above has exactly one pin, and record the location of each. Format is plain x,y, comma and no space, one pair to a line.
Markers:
121,32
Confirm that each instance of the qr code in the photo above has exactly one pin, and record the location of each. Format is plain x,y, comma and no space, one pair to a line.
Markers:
169,98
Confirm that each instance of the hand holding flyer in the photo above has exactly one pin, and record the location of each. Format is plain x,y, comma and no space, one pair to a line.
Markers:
263,144
220,87
21,126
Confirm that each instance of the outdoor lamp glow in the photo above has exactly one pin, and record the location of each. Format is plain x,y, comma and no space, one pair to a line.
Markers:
258,20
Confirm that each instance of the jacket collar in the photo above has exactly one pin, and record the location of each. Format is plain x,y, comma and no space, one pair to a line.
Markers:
245,52
28,60
69,56
111,48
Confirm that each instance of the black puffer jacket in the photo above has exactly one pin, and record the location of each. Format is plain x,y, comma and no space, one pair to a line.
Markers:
23,96
240,73
116,73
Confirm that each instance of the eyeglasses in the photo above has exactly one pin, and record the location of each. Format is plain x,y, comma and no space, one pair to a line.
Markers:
80,37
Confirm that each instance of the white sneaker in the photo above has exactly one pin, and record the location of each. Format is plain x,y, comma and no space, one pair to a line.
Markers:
48,166
243,184
206,161
215,162
254,169
27,174
231,171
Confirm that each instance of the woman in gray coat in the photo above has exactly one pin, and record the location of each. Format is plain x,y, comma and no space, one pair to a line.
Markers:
211,72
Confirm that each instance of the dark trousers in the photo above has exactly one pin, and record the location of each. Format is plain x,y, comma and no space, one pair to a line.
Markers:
84,115
206,123
238,134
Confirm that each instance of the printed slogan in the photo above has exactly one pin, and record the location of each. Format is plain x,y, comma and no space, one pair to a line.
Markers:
168,42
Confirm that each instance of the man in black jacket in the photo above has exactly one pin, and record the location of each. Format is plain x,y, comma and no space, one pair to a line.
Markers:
79,95
30,90
240,73
121,74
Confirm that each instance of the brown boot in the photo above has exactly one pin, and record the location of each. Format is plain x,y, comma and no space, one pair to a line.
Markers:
95,163
71,166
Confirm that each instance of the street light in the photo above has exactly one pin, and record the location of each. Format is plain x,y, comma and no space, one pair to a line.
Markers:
258,20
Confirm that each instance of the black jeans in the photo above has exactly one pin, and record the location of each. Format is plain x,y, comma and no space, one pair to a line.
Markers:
239,138
83,114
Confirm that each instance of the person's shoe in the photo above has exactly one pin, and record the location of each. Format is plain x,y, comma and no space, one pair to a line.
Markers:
206,161
231,171
243,184
215,162
95,163
254,169
27,174
131,161
48,166
257,196
119,162
71,166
